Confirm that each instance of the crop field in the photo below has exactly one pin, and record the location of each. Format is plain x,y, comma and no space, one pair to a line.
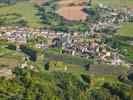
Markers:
126,29
66,2
116,3
38,1
27,10
9,61
72,13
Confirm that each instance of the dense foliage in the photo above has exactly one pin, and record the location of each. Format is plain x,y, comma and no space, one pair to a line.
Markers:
11,18
11,1
62,86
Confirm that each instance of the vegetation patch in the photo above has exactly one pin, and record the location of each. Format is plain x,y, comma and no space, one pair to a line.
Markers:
126,29
9,61
37,1
26,10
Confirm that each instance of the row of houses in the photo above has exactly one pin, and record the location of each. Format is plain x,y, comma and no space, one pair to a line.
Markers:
70,43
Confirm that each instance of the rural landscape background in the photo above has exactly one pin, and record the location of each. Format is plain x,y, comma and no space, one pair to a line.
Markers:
66,49
28,11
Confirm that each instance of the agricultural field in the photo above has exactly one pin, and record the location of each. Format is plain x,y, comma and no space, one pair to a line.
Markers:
36,1
27,10
126,29
10,61
67,2
10,57
72,13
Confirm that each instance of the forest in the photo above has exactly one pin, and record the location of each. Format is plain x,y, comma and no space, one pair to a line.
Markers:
44,85
11,1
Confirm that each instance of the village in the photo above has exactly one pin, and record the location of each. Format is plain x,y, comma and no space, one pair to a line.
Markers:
76,43
66,49
70,43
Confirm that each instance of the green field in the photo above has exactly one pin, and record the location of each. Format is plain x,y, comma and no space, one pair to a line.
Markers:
126,29
27,10
116,3
9,61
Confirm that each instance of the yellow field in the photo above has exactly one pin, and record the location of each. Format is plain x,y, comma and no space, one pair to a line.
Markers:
37,1
126,29
72,13
9,61
66,2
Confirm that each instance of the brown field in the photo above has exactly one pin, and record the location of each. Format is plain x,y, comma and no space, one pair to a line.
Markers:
72,13
37,1
66,2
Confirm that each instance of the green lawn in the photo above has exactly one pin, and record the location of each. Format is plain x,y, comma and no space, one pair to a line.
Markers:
116,3
10,57
126,29
27,10
9,61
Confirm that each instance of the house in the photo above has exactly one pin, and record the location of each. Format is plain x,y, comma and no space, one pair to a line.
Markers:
2,28
6,72
104,55
94,46
24,65
113,13
69,51
41,45
87,54
102,6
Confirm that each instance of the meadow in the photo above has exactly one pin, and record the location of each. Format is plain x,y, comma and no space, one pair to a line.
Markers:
125,29
27,10
37,1
13,62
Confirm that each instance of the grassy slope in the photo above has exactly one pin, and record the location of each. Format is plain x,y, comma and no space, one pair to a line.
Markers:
10,57
37,1
126,29
116,3
27,10
13,62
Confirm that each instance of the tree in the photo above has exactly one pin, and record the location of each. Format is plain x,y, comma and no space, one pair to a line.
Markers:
22,23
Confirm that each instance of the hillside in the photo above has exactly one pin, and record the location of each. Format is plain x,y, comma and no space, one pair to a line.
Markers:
66,50
27,12
27,9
